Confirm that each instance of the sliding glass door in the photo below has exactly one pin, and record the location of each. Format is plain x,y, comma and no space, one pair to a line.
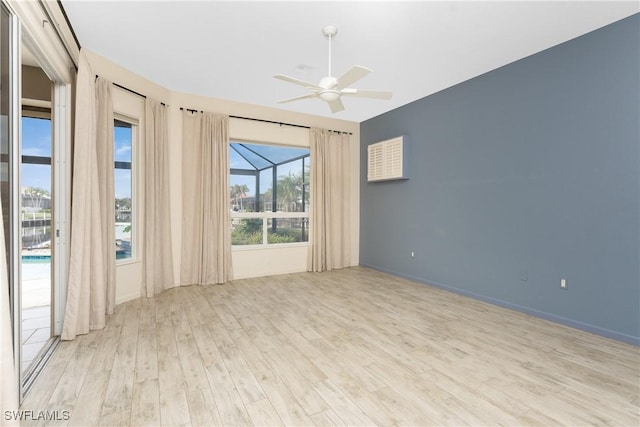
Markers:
34,189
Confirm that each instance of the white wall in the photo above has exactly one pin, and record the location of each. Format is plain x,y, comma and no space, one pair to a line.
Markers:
246,262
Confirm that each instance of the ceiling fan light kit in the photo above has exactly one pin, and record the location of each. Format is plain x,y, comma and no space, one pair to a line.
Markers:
329,95
331,89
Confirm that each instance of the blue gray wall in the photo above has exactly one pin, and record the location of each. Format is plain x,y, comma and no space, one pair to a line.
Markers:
518,178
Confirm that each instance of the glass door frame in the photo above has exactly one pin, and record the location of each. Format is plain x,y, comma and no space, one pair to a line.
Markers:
60,192
61,183
15,238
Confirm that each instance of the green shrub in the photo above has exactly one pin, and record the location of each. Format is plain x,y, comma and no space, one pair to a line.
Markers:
250,225
248,232
285,235
240,238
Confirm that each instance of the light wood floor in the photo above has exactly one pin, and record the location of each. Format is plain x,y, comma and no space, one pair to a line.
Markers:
352,347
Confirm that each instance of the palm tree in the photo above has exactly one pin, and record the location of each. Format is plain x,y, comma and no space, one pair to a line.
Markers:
238,192
36,194
289,190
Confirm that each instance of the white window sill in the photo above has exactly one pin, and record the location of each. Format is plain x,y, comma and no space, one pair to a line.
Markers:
271,246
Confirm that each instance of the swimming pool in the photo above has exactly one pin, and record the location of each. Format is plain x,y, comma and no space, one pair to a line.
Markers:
46,259
36,259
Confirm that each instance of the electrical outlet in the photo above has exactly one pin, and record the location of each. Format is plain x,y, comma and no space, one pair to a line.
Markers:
413,254
563,283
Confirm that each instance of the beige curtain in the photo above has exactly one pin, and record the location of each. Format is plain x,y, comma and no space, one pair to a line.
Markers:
158,259
330,215
91,286
9,386
206,220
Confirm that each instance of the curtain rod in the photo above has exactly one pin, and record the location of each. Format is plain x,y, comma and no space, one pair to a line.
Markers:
73,33
131,91
267,121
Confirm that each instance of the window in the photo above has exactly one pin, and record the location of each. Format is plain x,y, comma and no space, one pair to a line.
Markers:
123,137
269,194
36,181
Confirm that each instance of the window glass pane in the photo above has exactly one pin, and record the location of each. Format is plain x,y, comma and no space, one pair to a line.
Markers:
36,190
237,161
277,154
290,187
257,161
35,233
287,230
36,186
36,137
123,138
307,187
246,231
266,190
242,193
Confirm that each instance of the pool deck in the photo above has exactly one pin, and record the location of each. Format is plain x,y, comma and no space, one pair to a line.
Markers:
36,310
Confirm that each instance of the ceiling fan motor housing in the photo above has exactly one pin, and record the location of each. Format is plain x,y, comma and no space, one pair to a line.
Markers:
328,82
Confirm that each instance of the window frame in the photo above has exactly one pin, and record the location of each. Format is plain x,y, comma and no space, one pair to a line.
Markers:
267,215
135,134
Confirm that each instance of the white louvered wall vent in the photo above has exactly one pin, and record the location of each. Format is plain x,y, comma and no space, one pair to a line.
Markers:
387,160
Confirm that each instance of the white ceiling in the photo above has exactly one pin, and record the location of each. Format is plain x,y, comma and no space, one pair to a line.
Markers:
231,50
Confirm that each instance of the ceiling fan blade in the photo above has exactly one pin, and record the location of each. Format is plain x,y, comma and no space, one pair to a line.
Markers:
296,81
354,74
377,94
336,105
311,95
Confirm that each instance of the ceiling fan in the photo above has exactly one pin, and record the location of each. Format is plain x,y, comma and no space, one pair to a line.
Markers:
331,89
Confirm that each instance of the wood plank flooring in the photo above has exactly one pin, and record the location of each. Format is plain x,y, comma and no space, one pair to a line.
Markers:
348,347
